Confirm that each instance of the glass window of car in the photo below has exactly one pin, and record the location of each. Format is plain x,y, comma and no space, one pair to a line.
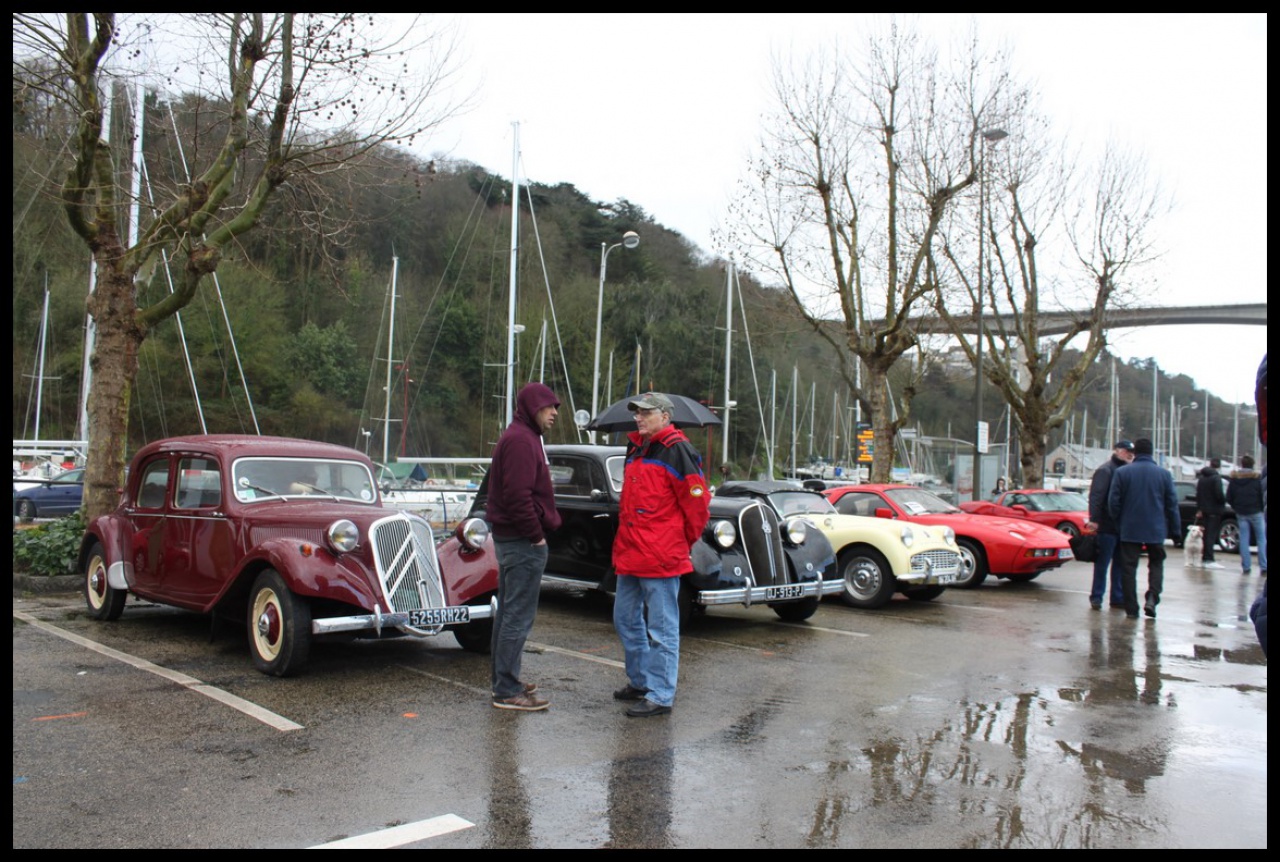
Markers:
788,503
571,476
861,503
199,483
273,478
616,464
154,484
70,477
916,501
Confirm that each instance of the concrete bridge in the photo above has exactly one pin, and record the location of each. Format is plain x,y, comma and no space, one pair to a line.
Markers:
1058,322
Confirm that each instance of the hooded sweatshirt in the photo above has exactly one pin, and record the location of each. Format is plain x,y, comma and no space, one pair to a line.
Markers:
521,500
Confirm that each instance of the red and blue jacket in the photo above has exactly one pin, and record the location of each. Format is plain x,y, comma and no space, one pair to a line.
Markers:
665,506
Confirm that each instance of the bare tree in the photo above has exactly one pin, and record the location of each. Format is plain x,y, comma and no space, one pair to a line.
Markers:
1054,242
862,162
298,93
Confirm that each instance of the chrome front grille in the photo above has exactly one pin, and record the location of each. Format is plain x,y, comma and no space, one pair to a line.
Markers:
405,555
762,537
935,562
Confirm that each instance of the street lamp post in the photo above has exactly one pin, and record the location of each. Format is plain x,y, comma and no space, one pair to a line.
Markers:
630,239
989,136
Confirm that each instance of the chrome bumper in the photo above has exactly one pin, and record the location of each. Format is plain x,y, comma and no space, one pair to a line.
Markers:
399,620
754,595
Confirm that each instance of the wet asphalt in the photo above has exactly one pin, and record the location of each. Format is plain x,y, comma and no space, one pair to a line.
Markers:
1008,716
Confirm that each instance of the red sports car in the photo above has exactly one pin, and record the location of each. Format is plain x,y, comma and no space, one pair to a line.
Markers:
1011,548
1066,511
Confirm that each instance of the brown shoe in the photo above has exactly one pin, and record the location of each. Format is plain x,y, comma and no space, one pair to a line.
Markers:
522,702
529,687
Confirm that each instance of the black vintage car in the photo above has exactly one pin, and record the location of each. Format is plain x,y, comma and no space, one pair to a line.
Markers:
746,555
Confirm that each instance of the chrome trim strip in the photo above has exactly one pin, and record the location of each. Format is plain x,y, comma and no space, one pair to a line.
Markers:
750,595
399,620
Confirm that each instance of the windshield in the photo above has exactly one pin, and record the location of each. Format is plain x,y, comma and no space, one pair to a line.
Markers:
789,503
275,478
1057,501
916,501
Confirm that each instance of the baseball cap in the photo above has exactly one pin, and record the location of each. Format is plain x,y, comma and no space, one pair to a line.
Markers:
651,401
1124,444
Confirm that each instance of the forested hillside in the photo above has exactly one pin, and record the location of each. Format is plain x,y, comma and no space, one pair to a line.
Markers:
307,299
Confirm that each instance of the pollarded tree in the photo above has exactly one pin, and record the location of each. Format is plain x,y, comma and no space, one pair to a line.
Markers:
1054,241
300,94
864,159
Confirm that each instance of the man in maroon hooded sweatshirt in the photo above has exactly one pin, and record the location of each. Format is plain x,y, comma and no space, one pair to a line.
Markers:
521,510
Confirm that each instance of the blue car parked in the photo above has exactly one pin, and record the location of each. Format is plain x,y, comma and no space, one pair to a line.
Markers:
51,498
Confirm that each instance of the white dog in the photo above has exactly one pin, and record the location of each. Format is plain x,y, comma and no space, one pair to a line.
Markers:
1193,545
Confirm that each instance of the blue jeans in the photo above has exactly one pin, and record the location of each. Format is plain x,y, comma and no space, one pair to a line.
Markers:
646,613
520,567
1253,528
1107,543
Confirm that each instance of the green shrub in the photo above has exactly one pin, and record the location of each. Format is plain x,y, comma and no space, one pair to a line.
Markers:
50,549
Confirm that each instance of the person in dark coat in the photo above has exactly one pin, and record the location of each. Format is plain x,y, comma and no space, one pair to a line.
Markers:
1144,506
1246,492
1211,502
1107,539
521,510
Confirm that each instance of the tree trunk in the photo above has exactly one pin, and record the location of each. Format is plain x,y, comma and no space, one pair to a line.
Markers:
114,365
1033,445
882,427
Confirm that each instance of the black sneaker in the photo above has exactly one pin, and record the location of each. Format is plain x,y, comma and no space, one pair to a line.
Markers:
1096,605
647,708
1149,607
629,692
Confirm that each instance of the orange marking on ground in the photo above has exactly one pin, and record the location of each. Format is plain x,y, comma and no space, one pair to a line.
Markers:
52,717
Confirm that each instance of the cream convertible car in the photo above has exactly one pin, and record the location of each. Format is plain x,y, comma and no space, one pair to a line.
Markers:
876,557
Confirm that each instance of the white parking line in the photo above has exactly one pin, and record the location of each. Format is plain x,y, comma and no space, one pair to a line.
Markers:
398,836
239,704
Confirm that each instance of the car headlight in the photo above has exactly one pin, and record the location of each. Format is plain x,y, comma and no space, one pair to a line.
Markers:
343,536
908,535
724,533
797,530
473,533
949,535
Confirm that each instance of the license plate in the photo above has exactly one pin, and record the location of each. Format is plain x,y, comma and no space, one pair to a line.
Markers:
946,579
439,616
1065,554
790,591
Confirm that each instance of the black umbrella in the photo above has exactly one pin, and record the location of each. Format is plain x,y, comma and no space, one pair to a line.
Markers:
687,413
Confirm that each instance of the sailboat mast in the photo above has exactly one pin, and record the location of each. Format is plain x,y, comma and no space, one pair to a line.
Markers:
511,299
44,328
391,334
728,348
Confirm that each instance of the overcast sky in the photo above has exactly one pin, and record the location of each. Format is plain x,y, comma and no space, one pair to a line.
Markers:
662,109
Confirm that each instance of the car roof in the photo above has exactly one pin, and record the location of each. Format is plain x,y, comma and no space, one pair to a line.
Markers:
760,487
239,445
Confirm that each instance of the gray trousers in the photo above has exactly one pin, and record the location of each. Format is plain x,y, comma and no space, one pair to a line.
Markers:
520,567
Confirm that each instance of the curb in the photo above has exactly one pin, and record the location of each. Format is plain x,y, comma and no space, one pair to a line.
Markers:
25,583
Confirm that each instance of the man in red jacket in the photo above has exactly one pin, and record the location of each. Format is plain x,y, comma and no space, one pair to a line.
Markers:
521,510
665,506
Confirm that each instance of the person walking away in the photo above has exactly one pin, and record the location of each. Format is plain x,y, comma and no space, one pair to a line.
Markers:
1144,506
665,506
1246,492
1211,502
1101,523
521,510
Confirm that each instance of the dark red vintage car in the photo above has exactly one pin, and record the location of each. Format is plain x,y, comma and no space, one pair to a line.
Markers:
289,536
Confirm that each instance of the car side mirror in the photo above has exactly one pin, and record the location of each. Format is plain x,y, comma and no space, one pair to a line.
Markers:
1020,509
599,496
884,513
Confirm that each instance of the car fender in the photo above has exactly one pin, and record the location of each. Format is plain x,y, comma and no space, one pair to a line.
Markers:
106,531
467,574
314,571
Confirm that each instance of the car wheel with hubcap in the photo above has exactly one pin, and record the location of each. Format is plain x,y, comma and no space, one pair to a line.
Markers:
104,601
868,581
1229,536
26,511
1069,529
279,626
973,564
